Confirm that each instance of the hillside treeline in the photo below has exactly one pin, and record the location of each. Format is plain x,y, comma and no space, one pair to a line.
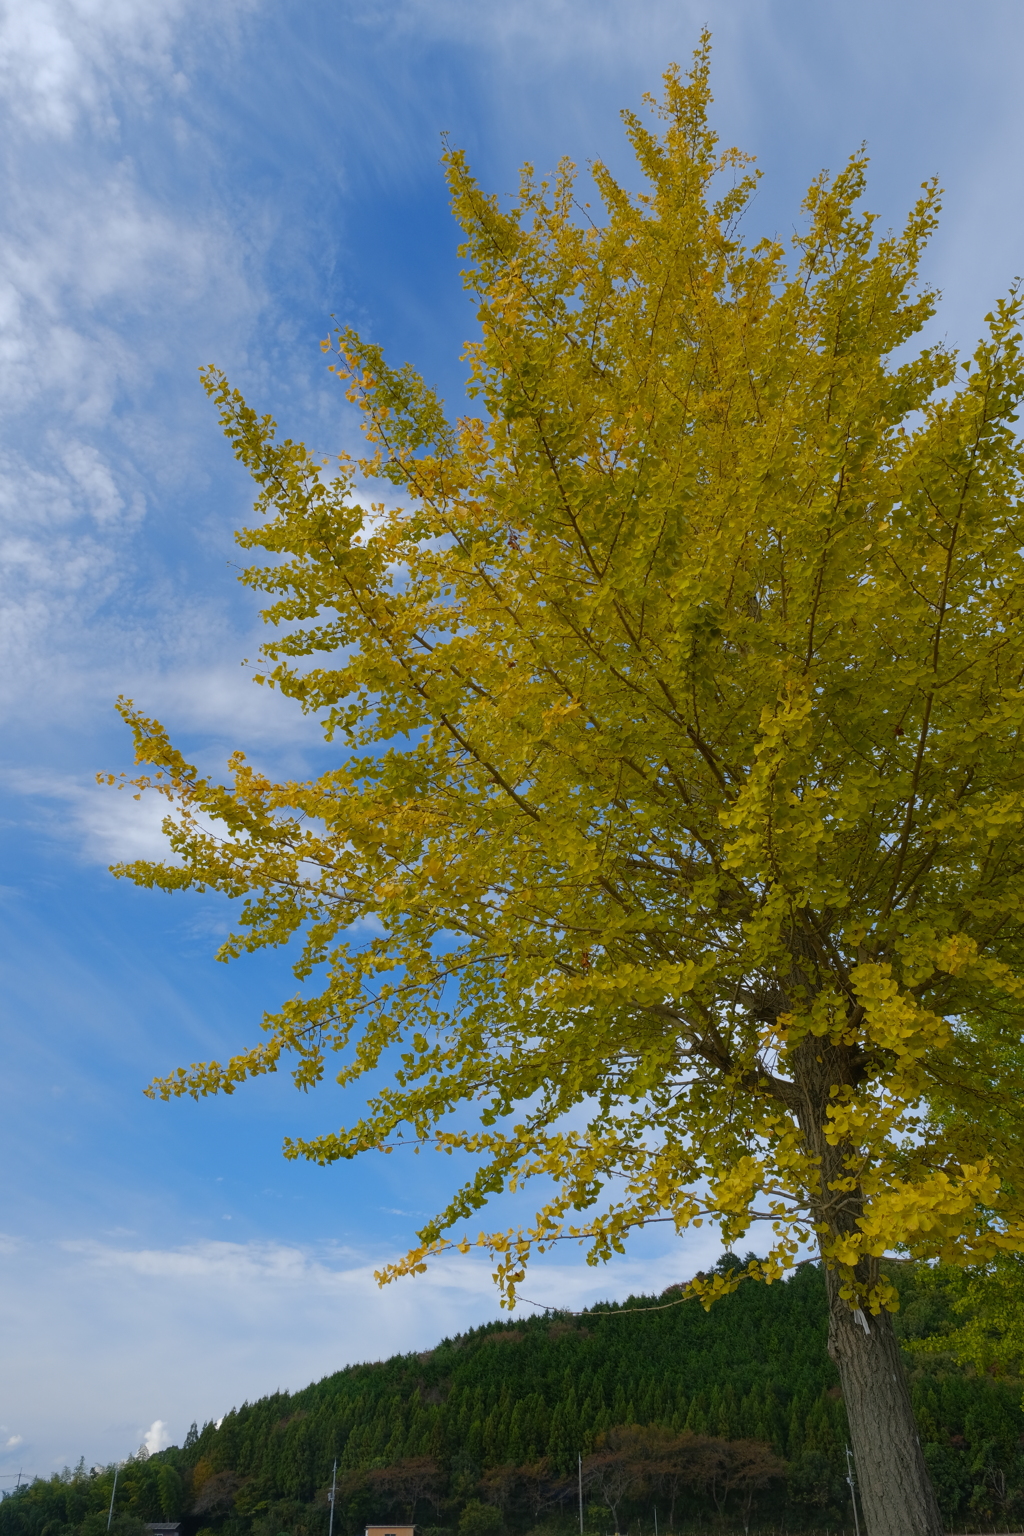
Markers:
731,1418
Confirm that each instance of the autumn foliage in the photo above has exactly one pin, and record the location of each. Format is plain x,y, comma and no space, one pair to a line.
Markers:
676,819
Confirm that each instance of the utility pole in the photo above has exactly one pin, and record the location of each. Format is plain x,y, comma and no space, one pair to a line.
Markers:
334,1484
110,1512
853,1491
579,1464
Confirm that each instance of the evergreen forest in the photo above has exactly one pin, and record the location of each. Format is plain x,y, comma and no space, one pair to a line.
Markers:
667,1417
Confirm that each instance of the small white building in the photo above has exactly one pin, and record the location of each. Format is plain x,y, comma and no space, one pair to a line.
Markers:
392,1530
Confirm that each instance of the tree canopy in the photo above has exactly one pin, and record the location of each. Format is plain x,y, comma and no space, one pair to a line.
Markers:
677,823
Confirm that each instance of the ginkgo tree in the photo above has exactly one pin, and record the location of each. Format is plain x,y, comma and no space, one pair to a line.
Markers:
672,855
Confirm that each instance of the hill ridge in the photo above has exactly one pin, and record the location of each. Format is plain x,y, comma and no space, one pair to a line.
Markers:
480,1435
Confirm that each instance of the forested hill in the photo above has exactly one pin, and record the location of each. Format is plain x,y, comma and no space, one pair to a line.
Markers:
734,1414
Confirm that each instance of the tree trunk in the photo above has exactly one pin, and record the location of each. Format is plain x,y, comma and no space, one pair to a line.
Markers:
896,1492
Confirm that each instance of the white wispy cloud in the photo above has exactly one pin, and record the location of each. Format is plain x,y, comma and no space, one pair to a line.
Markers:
563,27
162,1336
60,59
113,288
103,824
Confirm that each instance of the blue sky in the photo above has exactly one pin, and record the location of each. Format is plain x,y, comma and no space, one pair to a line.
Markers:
187,183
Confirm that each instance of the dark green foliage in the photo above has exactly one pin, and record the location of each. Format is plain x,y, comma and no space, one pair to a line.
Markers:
480,1519
171,1491
481,1435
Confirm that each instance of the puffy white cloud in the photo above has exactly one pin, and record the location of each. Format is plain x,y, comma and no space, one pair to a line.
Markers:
157,1437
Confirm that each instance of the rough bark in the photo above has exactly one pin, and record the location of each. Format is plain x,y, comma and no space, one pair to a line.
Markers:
896,1491
897,1498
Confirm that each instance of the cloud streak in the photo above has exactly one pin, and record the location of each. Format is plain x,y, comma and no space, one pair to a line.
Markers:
160,1336
113,286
